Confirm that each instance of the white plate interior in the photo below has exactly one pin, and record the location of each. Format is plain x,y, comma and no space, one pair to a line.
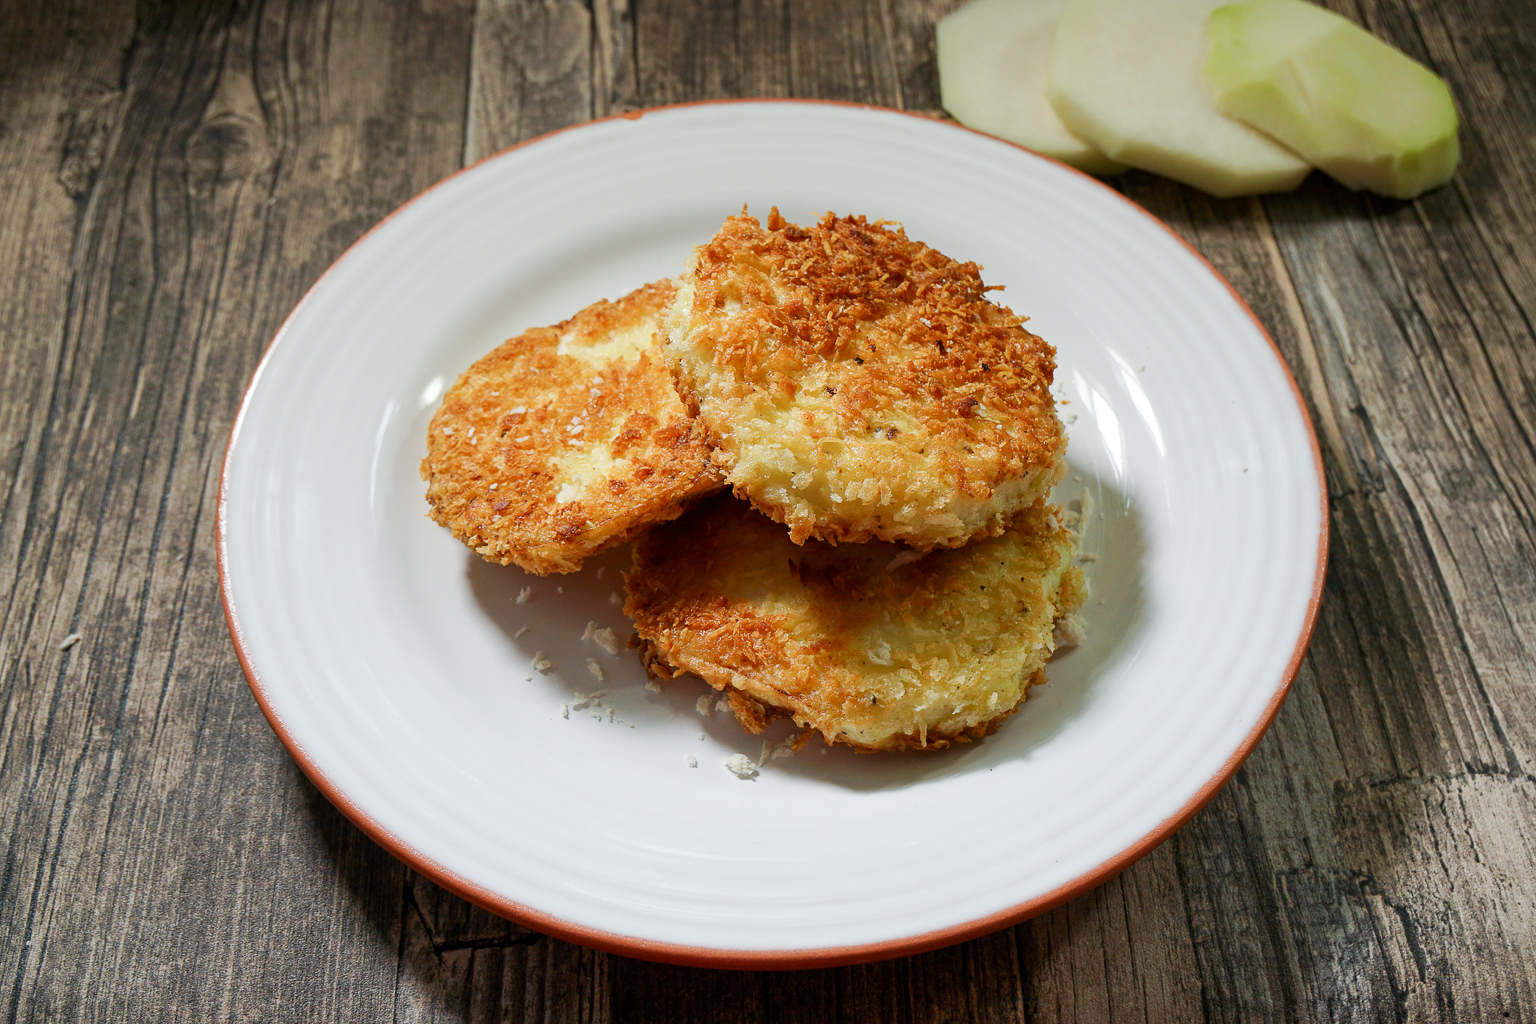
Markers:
400,664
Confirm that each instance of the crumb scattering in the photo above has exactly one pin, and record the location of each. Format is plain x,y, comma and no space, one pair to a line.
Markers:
741,766
603,636
653,686
1071,631
595,669
524,595
693,762
705,705
69,641
789,746
541,663
520,632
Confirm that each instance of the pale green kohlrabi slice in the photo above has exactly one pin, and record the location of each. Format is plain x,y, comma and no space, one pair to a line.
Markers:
994,57
1127,76
1366,113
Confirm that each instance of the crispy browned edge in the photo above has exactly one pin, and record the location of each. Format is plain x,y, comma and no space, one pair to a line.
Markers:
755,716
520,521
943,349
678,616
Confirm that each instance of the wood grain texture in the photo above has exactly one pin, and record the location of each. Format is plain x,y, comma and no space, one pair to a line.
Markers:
174,175
163,859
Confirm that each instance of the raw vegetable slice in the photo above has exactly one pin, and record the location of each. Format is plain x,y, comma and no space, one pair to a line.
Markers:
994,58
1127,77
1366,113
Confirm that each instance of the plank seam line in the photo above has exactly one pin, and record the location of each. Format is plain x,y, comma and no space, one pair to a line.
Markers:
196,364
174,459
1468,430
77,298
52,873
1203,970
455,945
1412,507
1353,579
1472,435
1482,344
1254,854
279,162
1308,345
1018,970
469,90
888,31
599,58
405,910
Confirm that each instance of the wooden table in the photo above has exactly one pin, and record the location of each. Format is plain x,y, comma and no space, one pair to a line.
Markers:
172,179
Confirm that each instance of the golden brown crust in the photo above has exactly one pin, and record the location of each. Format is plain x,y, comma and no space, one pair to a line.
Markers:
859,385
566,440
871,644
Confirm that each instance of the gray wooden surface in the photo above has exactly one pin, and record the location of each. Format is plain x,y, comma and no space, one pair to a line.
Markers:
174,175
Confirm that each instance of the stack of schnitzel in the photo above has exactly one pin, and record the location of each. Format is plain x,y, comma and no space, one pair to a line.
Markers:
886,568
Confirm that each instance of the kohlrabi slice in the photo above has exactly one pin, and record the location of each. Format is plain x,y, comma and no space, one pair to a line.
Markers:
1127,76
1368,114
994,57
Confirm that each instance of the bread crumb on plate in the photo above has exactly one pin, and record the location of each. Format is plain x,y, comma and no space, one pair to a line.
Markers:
741,766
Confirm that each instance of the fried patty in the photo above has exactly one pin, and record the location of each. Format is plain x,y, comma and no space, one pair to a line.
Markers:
857,385
872,645
566,440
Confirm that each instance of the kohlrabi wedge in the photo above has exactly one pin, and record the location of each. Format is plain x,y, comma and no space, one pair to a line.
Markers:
1127,76
994,57
1362,111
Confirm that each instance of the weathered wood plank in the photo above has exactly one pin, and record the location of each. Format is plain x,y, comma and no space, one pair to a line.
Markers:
462,963
531,72
1447,872
1123,952
974,981
56,130
153,869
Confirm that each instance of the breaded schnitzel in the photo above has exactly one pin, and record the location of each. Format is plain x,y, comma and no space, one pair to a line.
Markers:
858,385
873,645
566,440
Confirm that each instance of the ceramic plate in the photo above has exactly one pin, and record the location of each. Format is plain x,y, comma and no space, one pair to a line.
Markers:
397,666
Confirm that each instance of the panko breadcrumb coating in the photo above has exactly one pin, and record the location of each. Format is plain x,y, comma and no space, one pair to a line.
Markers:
566,440
858,385
873,645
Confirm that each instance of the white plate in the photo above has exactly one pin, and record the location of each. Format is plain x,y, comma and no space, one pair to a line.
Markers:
394,665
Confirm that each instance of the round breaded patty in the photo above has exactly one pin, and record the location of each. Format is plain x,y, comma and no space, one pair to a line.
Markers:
566,440
857,385
872,645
